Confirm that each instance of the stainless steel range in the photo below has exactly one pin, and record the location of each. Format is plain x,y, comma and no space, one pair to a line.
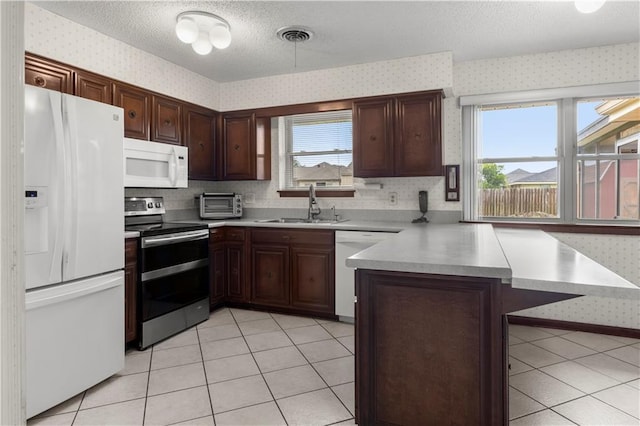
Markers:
173,271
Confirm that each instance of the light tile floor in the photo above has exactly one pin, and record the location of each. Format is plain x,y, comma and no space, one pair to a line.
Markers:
254,368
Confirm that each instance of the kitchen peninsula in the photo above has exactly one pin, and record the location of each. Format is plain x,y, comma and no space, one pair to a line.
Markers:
431,325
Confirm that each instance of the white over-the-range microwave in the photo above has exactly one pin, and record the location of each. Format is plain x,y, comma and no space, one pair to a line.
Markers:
155,165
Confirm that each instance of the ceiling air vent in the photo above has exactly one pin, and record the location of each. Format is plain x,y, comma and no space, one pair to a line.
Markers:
294,34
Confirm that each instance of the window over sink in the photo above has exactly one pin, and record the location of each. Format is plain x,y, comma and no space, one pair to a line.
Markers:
316,149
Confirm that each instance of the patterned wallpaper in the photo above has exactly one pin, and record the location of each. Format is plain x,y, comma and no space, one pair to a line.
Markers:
377,78
607,64
58,38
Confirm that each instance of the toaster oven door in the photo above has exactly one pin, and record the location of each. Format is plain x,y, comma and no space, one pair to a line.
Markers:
216,207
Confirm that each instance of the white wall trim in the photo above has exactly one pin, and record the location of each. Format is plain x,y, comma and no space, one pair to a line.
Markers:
12,311
593,90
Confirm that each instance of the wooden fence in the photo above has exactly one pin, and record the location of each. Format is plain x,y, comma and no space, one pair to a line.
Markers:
519,202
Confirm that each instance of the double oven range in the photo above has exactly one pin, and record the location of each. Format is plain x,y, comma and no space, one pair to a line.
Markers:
173,271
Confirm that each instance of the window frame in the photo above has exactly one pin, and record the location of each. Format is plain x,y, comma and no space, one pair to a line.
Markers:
567,155
289,155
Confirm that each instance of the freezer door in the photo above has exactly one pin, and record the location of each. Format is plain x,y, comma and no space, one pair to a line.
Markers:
44,165
95,195
74,338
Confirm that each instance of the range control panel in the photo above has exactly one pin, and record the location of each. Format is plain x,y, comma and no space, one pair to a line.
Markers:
139,206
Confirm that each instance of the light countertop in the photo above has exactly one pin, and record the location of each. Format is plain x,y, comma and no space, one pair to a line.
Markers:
528,259
348,225
540,262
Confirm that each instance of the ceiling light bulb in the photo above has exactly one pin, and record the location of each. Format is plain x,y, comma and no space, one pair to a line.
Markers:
220,36
187,30
588,6
202,46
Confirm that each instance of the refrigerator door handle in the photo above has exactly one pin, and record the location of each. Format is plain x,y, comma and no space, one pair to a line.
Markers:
58,216
40,298
71,190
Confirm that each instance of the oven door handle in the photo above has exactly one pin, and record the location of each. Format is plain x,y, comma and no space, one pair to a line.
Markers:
172,270
174,238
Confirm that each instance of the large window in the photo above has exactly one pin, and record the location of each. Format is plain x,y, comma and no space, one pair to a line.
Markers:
318,150
568,159
518,160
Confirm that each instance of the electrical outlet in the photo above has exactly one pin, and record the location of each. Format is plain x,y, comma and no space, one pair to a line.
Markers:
249,198
393,198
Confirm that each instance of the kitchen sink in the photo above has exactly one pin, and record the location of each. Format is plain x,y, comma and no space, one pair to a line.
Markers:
300,220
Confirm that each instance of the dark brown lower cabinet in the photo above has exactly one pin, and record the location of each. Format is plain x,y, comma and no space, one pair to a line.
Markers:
217,275
130,288
293,269
431,349
236,272
270,275
312,270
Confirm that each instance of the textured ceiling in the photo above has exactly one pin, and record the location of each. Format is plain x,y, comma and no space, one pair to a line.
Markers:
349,32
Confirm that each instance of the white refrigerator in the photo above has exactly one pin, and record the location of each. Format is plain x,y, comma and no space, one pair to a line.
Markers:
74,247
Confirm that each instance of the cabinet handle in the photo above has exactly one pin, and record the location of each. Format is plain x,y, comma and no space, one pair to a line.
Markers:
418,135
286,237
237,147
372,138
40,81
201,146
132,114
167,122
269,274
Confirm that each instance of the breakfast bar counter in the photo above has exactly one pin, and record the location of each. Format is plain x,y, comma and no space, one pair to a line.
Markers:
431,324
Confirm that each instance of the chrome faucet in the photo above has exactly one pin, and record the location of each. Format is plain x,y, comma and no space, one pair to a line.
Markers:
314,209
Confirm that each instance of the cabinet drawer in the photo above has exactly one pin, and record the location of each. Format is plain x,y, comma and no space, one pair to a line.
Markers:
294,236
216,235
235,234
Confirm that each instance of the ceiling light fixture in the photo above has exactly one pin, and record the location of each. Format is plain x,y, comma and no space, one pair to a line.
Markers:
588,6
203,31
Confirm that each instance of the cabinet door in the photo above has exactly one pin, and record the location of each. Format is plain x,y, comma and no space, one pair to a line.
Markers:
418,145
239,147
93,86
199,136
236,271
136,104
270,275
130,289
217,265
373,138
312,281
166,120
47,74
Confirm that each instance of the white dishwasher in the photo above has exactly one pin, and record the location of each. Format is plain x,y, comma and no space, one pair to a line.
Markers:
349,243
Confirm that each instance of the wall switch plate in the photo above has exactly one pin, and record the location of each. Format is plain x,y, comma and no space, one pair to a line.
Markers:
393,198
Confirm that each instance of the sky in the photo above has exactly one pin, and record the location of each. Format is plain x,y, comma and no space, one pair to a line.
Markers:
523,132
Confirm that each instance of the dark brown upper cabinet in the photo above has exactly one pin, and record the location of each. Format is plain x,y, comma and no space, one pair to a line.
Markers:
200,138
398,136
93,86
47,74
373,138
246,147
137,110
166,120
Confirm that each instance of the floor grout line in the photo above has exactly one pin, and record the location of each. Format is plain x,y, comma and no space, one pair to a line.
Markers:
76,412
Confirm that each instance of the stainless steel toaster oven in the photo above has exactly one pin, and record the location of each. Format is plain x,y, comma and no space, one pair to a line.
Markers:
220,205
